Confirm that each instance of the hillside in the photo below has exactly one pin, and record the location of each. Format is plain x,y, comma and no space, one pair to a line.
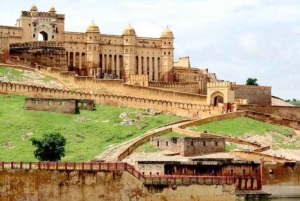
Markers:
264,133
88,133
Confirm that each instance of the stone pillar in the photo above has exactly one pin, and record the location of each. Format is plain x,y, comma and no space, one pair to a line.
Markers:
118,66
107,62
80,65
68,58
113,65
155,69
74,59
103,64
139,65
150,69
145,66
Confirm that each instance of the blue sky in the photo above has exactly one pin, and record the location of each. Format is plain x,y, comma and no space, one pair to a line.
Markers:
235,39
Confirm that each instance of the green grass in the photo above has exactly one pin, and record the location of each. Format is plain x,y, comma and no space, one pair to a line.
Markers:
148,148
85,140
241,125
231,147
47,79
12,74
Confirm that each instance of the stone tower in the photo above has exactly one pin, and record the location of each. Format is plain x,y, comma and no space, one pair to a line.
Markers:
129,52
92,40
167,55
49,24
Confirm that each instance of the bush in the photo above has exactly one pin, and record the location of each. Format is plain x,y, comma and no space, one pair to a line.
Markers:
51,147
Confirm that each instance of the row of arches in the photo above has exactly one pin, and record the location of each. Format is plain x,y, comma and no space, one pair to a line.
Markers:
116,100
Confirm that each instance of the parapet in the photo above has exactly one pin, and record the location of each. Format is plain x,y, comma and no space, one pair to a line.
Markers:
235,86
218,84
42,14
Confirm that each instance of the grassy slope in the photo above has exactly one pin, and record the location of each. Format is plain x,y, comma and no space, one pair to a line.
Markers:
242,125
14,75
85,140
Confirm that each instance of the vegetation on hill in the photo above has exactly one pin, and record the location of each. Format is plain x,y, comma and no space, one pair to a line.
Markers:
51,147
88,133
294,102
246,127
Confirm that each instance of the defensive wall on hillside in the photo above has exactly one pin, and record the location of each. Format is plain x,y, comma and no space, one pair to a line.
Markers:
260,95
187,87
178,108
268,118
104,181
289,112
117,86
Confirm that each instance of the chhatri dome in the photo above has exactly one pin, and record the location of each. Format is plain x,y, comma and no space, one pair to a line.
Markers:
52,9
33,8
93,28
129,31
167,33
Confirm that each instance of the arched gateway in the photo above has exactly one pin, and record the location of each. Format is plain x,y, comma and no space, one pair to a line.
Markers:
220,94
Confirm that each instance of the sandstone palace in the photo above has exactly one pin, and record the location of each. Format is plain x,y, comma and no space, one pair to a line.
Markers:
127,58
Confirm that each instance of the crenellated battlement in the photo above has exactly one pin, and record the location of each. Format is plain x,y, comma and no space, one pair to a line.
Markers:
37,44
42,14
235,86
218,84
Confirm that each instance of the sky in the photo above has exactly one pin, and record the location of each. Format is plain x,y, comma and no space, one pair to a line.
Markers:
236,39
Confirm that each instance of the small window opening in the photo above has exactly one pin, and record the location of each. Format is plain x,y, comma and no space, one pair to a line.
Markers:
216,143
231,171
244,171
36,102
79,104
157,173
29,24
33,35
49,103
167,143
157,143
192,143
204,144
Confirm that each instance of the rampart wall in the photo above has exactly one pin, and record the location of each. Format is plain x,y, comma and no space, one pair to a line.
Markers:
290,112
214,118
187,87
103,182
260,95
268,118
114,100
117,86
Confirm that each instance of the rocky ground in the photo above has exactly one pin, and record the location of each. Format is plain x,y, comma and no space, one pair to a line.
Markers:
30,78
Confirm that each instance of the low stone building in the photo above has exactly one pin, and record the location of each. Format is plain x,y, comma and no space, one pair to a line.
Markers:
190,146
70,106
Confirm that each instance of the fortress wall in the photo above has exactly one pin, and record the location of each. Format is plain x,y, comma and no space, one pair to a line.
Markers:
114,100
260,95
119,87
290,112
187,87
227,138
214,118
256,156
166,94
61,185
268,118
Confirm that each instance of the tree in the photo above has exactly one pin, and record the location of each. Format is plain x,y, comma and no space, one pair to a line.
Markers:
251,81
51,147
